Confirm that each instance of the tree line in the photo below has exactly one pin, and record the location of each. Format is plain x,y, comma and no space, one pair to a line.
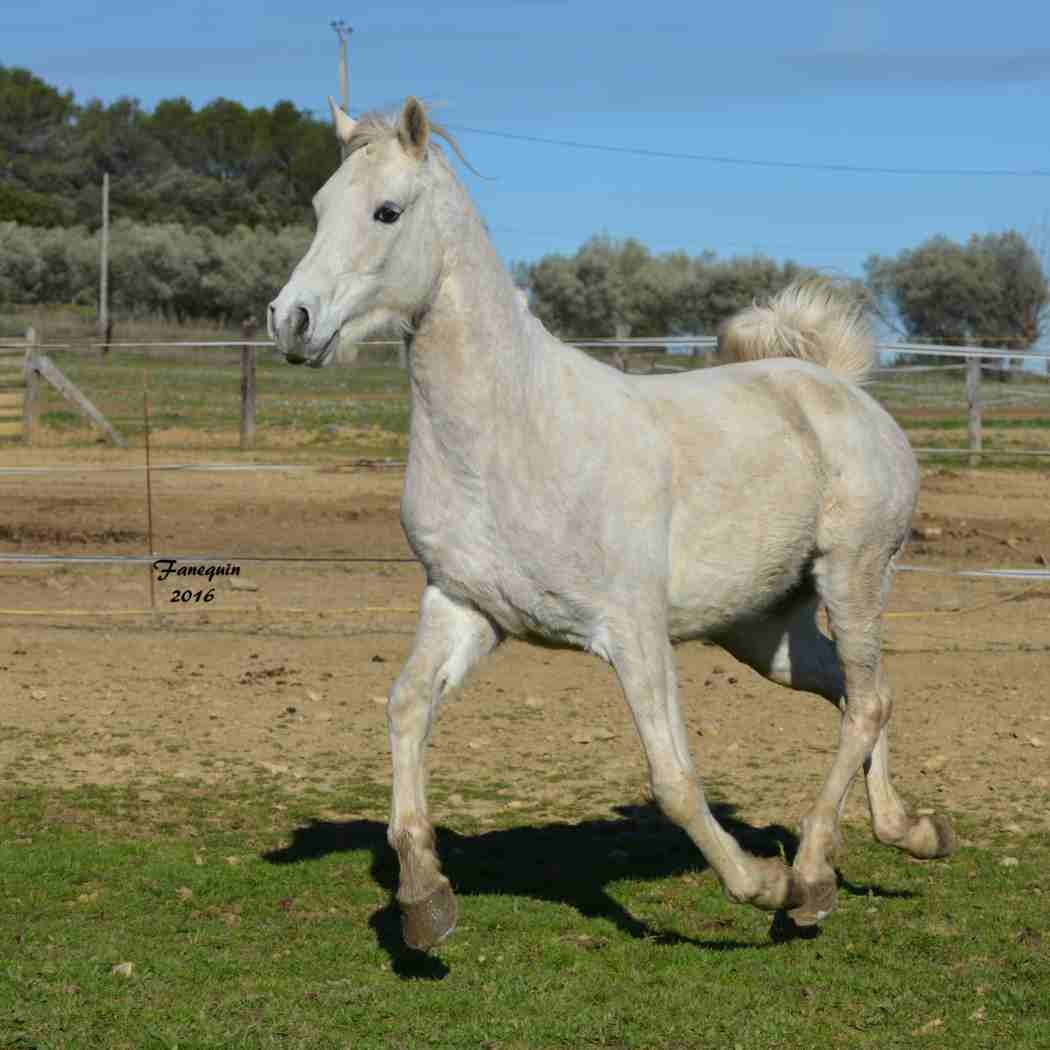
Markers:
611,287
167,269
992,290
215,212
219,166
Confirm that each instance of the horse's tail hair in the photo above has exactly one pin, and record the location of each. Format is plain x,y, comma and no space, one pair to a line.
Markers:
809,320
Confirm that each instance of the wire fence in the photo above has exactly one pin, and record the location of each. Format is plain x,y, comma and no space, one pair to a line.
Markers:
988,403
192,381
316,424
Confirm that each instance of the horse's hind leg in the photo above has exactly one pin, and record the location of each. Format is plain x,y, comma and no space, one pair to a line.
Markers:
893,823
450,639
787,647
854,584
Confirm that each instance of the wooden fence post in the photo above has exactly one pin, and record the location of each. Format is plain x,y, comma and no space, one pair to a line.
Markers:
973,403
623,331
42,367
247,398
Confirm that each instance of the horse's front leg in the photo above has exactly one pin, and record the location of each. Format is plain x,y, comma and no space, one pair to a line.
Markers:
645,665
450,639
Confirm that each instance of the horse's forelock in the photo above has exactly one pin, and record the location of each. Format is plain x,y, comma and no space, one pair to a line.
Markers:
371,127
376,126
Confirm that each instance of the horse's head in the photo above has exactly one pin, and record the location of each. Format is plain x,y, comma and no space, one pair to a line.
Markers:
375,257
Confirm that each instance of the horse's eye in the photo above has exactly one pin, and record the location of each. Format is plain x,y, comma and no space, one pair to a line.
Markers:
388,213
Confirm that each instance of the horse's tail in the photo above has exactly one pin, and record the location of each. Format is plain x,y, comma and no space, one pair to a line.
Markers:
808,320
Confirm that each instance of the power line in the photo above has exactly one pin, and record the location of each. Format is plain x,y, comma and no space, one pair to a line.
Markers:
534,233
710,158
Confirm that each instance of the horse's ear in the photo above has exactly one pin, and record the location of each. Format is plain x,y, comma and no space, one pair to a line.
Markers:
413,128
344,125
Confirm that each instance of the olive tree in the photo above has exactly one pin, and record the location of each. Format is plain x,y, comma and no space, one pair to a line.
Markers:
990,291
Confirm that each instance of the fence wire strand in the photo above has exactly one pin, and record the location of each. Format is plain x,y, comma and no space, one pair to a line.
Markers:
886,377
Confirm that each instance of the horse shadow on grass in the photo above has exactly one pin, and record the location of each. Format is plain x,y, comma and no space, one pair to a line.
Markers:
560,862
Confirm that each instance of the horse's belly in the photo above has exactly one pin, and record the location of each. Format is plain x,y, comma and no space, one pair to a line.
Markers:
718,580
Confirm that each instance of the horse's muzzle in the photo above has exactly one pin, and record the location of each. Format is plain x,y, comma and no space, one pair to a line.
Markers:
290,329
295,325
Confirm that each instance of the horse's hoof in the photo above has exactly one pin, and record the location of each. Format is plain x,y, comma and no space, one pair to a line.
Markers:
927,837
426,923
818,903
934,837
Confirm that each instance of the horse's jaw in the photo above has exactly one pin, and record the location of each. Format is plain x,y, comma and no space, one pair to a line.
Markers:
318,359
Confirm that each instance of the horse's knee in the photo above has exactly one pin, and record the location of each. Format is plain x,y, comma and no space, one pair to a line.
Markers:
408,708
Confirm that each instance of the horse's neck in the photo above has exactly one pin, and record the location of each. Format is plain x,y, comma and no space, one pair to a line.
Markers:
475,349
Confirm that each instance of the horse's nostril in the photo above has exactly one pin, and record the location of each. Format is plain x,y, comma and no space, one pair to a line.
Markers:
302,323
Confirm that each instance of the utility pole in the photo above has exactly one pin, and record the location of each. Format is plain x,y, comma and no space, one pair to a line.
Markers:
104,329
343,31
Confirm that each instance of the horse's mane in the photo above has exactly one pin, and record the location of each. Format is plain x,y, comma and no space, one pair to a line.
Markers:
377,126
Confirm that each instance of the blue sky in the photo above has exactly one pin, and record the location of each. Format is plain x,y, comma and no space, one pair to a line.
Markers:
900,84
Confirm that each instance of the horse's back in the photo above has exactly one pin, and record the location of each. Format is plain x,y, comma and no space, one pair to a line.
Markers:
779,420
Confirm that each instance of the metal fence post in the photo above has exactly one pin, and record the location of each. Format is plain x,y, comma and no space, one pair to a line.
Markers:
973,402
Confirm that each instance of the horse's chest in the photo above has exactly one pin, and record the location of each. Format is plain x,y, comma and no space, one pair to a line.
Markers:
468,555
451,535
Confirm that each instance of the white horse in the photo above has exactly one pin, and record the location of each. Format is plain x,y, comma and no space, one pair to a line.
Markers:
552,498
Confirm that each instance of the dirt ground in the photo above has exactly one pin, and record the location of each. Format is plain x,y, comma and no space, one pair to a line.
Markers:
283,675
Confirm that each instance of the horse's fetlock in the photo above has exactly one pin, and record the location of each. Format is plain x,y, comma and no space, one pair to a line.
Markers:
742,888
811,826
891,831
420,869
737,894
767,884
411,837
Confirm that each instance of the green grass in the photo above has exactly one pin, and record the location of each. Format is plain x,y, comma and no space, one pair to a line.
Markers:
252,921
960,423
201,392
948,390
999,449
